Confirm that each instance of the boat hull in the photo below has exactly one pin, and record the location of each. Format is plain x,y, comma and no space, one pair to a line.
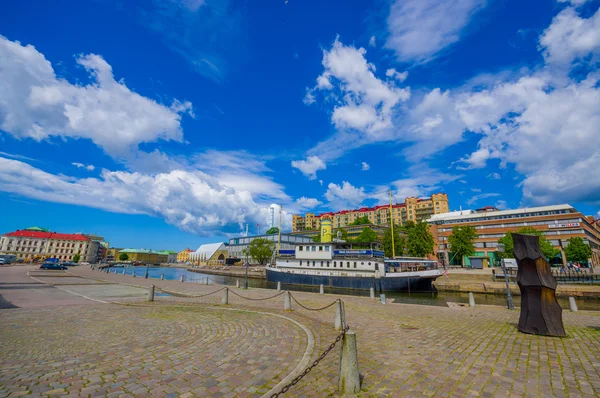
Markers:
394,283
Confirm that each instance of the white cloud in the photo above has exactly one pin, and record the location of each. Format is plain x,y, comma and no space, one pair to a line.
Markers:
477,198
36,104
365,166
501,205
570,37
372,42
420,29
310,166
345,195
88,167
494,176
303,203
321,182
476,190
364,102
191,200
574,2
393,73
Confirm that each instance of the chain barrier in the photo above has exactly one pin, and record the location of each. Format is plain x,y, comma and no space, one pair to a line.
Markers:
189,295
312,366
257,299
313,309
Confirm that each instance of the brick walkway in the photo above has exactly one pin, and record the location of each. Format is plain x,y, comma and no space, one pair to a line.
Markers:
404,350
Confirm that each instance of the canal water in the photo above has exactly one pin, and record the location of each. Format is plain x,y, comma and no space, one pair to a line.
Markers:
423,298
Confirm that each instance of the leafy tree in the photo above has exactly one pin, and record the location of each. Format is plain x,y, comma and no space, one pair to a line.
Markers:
420,241
317,238
547,249
123,257
261,250
577,250
399,242
367,235
273,231
361,221
461,241
76,258
344,234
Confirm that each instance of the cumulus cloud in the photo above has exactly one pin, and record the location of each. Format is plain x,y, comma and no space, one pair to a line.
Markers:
303,203
88,167
477,198
421,29
191,200
372,42
36,104
363,101
310,166
345,195
365,166
393,73
571,37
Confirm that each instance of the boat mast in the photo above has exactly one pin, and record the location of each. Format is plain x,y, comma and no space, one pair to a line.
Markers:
279,238
392,226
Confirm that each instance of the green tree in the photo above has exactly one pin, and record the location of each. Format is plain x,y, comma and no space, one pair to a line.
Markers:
420,241
461,241
123,257
317,238
398,242
366,236
361,221
273,231
577,250
547,249
76,258
261,250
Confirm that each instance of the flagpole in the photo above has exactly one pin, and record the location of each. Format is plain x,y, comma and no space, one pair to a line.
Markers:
279,238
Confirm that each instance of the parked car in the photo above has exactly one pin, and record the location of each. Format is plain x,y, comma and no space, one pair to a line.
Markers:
52,266
85,263
2,261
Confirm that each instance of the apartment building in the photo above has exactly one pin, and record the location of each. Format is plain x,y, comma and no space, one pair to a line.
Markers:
37,244
413,209
559,223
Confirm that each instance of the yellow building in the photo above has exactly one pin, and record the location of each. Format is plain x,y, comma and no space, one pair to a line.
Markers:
145,256
413,209
184,255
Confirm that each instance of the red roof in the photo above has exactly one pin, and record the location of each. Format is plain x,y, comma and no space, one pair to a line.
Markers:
47,235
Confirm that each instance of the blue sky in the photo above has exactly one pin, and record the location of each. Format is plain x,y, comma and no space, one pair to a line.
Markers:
167,124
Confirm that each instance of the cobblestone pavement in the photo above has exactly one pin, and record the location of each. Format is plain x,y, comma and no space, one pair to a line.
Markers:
410,350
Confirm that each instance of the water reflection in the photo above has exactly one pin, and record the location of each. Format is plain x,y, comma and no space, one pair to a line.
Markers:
423,298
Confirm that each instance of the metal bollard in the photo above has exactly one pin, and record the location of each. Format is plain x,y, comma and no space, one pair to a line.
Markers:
133,273
123,273
572,304
207,280
321,289
372,293
278,286
471,300
349,377
237,283
382,298
181,278
151,293
225,298
287,302
337,322
162,277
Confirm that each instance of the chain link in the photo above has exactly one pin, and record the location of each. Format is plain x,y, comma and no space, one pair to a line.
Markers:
257,299
313,309
189,295
312,366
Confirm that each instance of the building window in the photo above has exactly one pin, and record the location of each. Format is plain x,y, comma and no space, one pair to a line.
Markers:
320,248
300,248
334,264
326,248
355,264
313,248
321,263
327,264
347,264
314,263
300,262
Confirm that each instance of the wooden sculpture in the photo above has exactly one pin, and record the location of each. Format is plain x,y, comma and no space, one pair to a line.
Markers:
540,312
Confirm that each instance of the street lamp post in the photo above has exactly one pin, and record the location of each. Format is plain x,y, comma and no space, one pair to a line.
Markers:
245,252
148,263
509,299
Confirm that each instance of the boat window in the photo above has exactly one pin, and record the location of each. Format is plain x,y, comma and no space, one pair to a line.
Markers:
327,264
300,262
362,263
369,263
334,264
347,264
376,267
300,248
355,264
313,263
320,248
321,263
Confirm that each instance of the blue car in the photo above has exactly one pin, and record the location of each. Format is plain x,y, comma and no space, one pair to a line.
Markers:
52,266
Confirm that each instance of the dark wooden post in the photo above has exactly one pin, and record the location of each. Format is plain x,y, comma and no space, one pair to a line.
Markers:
540,312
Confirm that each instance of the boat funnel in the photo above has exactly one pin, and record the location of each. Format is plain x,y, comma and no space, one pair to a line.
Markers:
326,231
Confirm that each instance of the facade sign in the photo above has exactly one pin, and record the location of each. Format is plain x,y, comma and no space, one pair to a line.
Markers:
568,225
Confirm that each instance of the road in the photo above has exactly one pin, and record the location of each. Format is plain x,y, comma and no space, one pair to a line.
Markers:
29,287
